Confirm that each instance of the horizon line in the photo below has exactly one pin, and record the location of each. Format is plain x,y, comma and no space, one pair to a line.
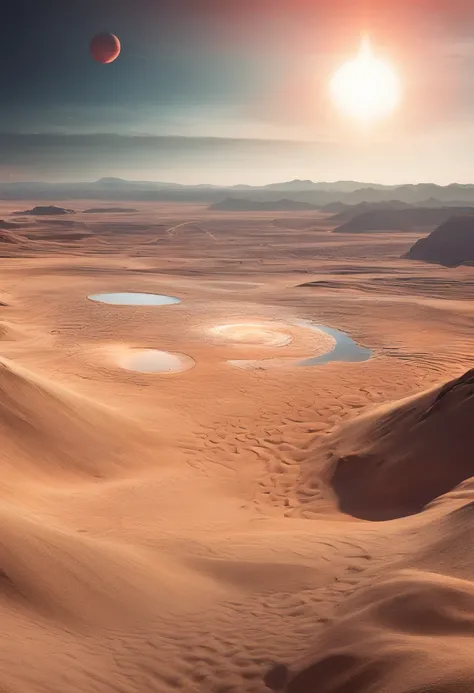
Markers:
363,184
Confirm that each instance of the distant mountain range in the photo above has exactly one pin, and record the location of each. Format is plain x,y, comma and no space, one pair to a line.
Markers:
344,213
237,204
110,210
405,219
319,194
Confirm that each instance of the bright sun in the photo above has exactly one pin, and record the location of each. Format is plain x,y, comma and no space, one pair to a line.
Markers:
366,87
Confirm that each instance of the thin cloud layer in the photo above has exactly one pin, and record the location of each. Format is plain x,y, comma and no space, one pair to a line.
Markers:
243,71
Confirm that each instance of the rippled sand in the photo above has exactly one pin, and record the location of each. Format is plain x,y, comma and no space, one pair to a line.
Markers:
224,529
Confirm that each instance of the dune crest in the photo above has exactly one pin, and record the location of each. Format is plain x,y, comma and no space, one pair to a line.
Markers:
45,429
394,461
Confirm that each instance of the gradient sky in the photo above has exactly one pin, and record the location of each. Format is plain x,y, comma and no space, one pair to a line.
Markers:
220,91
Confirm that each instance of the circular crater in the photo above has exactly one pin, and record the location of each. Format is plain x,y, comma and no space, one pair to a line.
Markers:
155,361
253,334
134,299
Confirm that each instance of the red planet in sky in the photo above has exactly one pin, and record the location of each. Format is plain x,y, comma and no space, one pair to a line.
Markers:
105,48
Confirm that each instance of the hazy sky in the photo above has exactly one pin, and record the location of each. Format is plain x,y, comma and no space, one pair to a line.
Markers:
224,91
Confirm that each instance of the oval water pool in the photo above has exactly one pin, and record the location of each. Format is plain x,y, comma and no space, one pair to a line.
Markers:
134,299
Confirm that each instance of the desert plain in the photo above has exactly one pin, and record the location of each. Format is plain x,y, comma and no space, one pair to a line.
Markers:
238,521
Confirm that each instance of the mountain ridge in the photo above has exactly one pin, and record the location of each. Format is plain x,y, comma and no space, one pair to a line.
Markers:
318,194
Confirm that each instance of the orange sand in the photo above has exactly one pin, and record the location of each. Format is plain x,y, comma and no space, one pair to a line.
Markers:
223,529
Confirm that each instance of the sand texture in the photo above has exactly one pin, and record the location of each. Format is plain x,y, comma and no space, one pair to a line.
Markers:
235,522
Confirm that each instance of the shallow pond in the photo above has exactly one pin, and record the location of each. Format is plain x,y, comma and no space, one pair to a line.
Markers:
345,348
134,299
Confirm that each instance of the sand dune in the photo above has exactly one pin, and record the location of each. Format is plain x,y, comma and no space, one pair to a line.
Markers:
393,462
408,629
8,226
46,429
10,237
231,530
406,634
74,578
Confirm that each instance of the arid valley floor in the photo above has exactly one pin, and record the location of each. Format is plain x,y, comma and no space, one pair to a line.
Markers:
216,530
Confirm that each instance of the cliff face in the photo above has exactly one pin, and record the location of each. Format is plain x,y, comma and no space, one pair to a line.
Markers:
450,245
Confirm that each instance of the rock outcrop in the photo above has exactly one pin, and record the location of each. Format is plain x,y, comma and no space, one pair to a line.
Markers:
450,245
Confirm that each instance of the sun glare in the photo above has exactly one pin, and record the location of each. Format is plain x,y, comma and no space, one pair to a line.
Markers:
366,88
